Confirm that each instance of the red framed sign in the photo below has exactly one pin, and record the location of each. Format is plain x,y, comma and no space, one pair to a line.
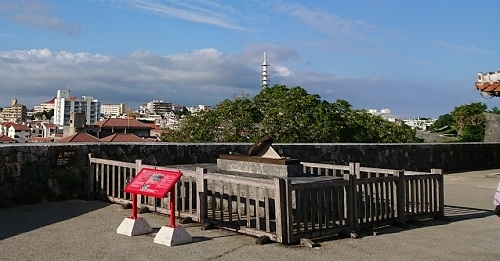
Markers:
153,182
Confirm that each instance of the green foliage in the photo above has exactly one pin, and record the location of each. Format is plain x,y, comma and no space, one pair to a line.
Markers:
201,127
471,114
467,120
229,121
443,121
290,115
183,112
238,120
472,133
364,127
46,114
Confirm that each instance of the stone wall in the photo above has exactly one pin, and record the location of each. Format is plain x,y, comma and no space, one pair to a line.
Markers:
418,157
492,129
431,137
31,173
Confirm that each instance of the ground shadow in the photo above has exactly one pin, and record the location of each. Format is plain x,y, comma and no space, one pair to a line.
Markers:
459,213
25,218
452,214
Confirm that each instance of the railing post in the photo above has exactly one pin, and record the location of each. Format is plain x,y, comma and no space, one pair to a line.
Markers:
440,180
138,166
355,173
400,195
289,211
91,178
201,196
280,206
354,169
352,202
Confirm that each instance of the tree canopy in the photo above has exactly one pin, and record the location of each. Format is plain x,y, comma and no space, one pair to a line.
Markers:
45,114
468,120
289,115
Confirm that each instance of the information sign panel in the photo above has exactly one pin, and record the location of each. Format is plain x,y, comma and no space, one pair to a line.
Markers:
153,182
65,158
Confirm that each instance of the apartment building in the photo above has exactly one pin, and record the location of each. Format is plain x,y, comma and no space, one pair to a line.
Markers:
14,113
65,105
20,132
113,110
197,108
47,106
386,115
157,107
418,123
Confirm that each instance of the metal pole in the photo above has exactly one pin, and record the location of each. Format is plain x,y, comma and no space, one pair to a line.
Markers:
172,207
134,206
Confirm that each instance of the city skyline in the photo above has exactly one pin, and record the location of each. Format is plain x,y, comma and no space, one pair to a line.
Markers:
415,58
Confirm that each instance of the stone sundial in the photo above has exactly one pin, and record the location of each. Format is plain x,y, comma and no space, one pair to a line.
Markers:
261,159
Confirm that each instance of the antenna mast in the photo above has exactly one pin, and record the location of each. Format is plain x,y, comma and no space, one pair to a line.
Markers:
265,73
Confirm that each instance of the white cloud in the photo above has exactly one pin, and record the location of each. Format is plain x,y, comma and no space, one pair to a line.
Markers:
206,12
45,55
205,76
36,13
282,71
460,48
328,23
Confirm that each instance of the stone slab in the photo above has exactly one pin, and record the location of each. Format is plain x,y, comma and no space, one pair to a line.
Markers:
134,227
280,161
274,170
170,236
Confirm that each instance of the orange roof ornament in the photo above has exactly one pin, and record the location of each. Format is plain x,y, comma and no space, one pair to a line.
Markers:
488,84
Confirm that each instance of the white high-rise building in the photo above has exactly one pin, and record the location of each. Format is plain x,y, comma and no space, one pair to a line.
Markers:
265,73
65,105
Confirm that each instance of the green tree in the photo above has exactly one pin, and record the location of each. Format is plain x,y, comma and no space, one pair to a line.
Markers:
363,127
46,114
472,133
291,114
238,120
443,121
470,114
230,121
199,127
182,112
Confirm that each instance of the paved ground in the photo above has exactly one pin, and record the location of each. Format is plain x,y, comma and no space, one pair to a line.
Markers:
86,230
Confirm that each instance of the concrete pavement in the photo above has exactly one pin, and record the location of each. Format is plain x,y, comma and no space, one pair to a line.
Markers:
86,230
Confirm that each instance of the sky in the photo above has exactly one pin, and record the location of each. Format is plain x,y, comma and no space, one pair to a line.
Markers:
416,58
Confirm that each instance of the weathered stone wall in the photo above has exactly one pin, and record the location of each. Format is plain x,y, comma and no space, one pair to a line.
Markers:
492,129
31,173
419,157
430,137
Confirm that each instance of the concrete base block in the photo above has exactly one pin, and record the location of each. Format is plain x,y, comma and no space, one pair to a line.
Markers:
170,236
134,227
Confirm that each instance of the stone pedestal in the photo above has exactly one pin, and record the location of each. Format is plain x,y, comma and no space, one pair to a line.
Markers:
170,236
281,168
134,227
